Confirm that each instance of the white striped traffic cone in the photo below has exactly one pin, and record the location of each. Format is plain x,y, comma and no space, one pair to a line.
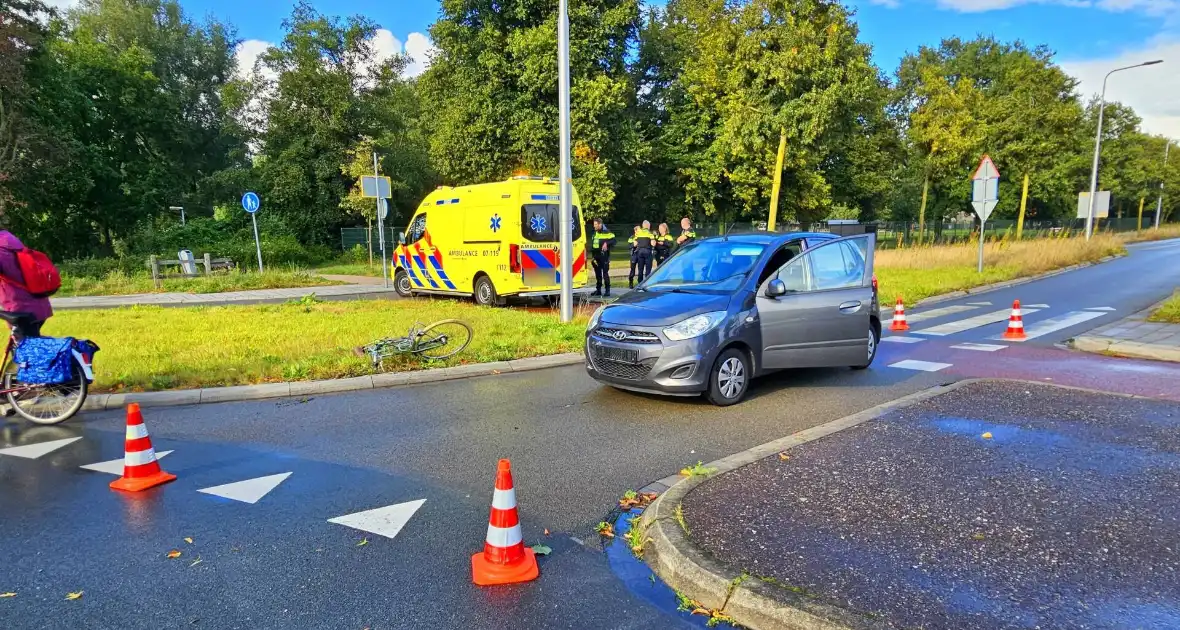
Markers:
504,559
1015,323
140,468
899,323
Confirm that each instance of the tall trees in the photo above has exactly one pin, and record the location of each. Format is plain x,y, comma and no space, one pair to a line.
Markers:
22,38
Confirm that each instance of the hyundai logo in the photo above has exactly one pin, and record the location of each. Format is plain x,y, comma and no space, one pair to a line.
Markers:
620,335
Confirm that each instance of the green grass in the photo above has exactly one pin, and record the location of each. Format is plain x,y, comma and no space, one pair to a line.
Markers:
1170,311
120,283
917,284
154,348
351,269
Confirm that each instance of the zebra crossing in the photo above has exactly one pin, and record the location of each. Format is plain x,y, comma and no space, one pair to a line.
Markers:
973,327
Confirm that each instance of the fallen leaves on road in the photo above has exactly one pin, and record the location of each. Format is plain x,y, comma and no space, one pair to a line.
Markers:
632,499
541,550
172,555
73,596
978,536
363,542
605,529
784,456
188,540
546,532
5,595
987,435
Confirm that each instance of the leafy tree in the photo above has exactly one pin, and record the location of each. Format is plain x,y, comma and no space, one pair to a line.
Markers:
22,37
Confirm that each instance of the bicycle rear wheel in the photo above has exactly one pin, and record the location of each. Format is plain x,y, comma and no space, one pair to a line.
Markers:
48,404
442,340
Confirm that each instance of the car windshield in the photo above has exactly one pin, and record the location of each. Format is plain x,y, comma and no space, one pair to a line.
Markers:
706,266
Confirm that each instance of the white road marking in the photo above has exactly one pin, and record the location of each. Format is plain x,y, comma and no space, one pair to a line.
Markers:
1034,306
1106,309
959,326
115,466
902,339
980,303
982,347
249,490
923,366
384,521
33,451
937,312
1055,324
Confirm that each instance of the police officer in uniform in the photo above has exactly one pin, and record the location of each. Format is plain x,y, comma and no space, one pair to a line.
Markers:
601,243
687,234
641,245
663,244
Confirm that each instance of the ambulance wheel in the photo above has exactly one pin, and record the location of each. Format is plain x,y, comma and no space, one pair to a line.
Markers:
485,292
401,283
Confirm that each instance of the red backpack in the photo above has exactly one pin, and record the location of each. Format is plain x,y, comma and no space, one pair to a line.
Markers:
42,279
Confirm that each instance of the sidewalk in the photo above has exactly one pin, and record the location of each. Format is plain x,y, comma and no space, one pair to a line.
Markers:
987,504
335,292
1134,337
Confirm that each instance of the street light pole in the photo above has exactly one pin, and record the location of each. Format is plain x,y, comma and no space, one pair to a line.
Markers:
1098,145
1159,203
566,224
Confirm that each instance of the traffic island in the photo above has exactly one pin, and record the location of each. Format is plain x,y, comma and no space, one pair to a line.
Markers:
986,504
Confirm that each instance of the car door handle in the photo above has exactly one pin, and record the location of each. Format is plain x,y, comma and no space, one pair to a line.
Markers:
850,307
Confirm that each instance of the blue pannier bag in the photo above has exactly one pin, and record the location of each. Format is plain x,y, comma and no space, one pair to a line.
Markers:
45,360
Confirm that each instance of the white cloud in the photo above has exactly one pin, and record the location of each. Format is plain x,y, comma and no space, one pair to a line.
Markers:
1154,91
385,44
421,51
61,5
247,54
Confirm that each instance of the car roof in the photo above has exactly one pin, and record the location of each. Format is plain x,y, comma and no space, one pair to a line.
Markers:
771,238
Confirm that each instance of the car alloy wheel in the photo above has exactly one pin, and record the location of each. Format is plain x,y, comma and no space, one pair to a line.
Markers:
731,377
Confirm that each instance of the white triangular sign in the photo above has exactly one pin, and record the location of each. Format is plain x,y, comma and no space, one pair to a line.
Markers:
987,169
384,521
115,466
33,451
249,490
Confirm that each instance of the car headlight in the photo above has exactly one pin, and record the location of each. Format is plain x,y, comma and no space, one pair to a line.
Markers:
694,326
593,323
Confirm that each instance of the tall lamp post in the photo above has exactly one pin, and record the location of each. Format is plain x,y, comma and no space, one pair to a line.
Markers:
566,224
181,209
1098,144
1159,203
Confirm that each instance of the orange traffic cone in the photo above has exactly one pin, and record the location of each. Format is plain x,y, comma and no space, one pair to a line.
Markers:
1015,323
505,559
140,468
899,323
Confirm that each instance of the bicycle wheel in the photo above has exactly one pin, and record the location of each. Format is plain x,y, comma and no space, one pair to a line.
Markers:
48,404
443,339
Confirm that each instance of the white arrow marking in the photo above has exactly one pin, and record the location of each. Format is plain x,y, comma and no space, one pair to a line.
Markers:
33,451
1106,309
248,491
384,521
115,466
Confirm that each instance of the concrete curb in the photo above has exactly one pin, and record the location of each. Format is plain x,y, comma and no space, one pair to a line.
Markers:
102,402
1103,344
750,601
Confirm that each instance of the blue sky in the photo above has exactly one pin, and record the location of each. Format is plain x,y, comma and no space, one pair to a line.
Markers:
1089,36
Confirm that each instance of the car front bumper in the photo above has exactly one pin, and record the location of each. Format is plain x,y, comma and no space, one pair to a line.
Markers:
647,361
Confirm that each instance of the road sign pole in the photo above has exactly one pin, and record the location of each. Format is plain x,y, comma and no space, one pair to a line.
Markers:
381,228
564,183
257,243
982,223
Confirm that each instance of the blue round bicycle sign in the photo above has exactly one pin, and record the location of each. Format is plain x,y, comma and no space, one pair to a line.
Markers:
251,202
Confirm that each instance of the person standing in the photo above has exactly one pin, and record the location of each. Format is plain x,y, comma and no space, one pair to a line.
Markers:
634,257
687,234
14,294
663,243
602,242
644,241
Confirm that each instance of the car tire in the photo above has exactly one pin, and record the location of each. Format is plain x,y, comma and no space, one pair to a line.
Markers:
485,292
874,345
401,283
730,378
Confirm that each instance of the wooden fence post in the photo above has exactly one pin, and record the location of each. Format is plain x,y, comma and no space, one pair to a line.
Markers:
208,264
155,263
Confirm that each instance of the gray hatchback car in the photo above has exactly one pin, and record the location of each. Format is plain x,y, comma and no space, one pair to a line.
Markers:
723,310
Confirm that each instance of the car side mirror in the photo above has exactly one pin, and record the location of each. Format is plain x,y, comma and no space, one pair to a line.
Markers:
401,238
776,288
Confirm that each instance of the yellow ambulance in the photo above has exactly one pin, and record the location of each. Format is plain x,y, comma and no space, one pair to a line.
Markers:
490,241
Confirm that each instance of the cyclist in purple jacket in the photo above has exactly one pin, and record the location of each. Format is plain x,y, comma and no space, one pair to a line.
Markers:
14,298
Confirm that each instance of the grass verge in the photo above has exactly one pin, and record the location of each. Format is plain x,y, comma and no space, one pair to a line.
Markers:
920,272
120,283
1169,312
153,348
351,269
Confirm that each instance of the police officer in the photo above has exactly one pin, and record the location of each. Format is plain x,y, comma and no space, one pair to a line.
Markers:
663,243
634,256
687,234
601,243
644,240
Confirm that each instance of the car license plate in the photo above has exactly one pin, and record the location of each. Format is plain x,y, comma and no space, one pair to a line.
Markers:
622,355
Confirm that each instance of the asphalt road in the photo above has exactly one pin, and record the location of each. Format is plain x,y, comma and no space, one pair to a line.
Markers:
575,447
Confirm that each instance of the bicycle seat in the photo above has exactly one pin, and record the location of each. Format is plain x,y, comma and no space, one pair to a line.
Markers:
15,318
